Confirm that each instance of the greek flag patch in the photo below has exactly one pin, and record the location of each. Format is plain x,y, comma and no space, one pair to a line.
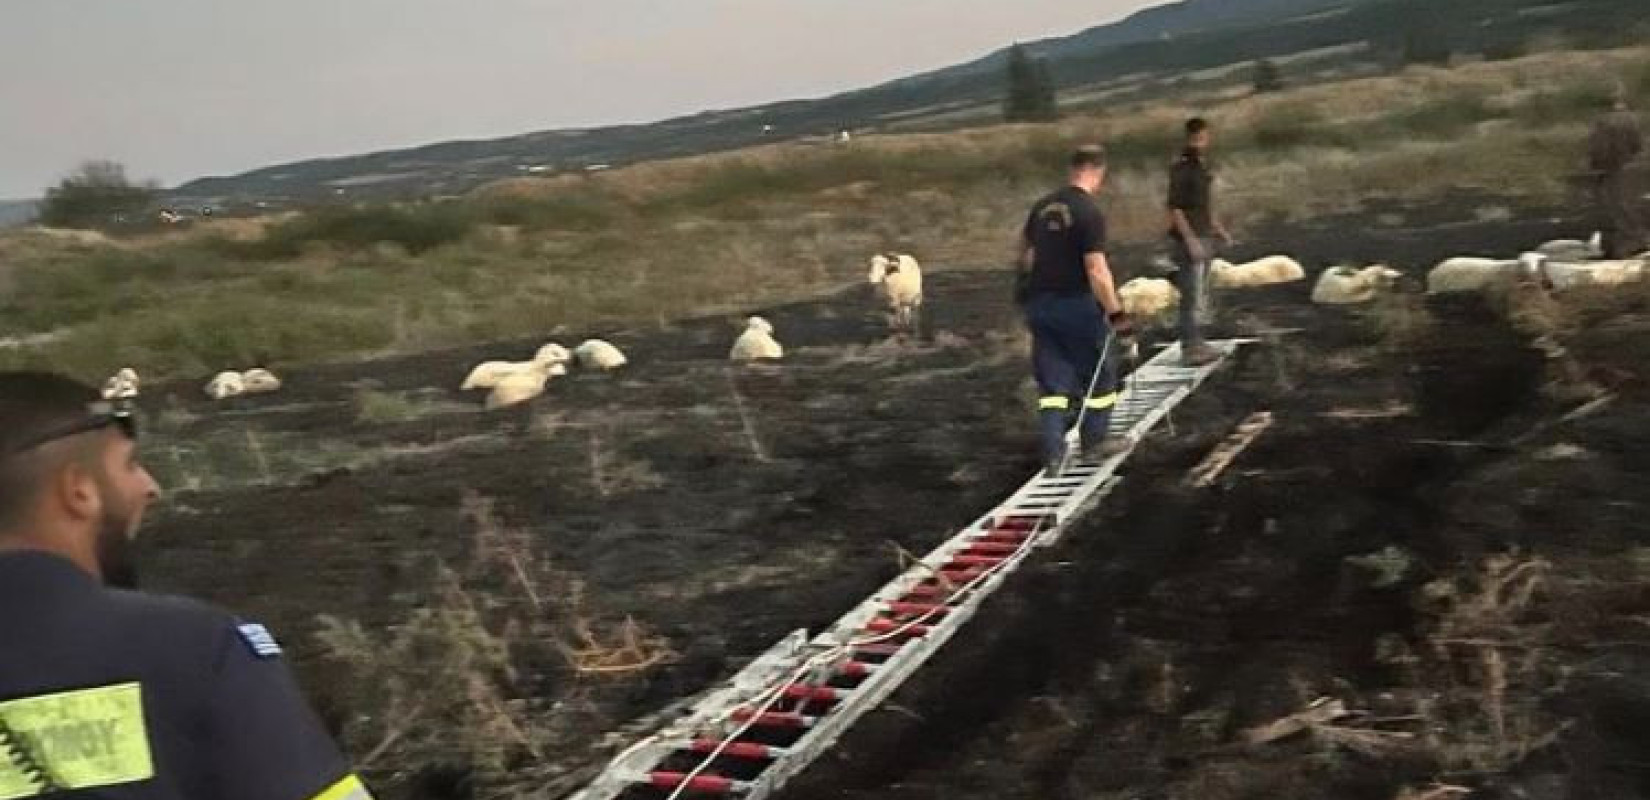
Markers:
258,638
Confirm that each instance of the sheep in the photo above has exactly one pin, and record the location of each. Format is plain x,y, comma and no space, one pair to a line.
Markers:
523,385
756,342
1346,285
898,279
1574,249
487,374
598,354
1266,271
225,385
1559,275
259,380
1472,273
123,385
1148,297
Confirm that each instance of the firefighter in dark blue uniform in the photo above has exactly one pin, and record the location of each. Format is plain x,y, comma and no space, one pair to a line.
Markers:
1072,307
109,693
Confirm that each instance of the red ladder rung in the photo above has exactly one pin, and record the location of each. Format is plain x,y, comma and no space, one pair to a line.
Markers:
821,694
855,669
878,649
775,719
976,561
750,750
917,609
712,784
889,626
984,548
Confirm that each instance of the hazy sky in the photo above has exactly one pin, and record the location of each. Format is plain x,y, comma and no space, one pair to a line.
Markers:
177,89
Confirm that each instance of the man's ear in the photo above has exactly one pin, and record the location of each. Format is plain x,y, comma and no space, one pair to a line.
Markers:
74,491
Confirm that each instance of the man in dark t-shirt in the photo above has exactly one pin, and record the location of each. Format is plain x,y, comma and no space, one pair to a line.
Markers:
1193,227
1072,307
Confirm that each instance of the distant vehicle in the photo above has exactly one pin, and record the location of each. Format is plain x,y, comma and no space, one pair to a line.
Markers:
597,167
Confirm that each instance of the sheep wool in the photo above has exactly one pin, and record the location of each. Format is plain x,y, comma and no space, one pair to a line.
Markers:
599,354
898,278
757,342
1261,272
520,387
122,385
259,380
1345,285
1472,274
225,385
1148,297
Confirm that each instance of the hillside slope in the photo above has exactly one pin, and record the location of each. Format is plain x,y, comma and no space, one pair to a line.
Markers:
1201,34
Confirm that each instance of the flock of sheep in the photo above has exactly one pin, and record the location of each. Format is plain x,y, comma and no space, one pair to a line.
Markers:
1558,265
897,277
897,281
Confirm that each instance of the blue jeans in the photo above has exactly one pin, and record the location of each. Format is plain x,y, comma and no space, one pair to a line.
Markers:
1190,279
1068,332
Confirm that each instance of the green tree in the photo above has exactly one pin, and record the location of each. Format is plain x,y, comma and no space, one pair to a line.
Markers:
1268,78
97,195
1030,88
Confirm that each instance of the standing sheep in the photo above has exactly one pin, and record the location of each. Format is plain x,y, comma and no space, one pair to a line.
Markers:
599,354
1472,273
898,279
756,342
487,374
1574,249
1348,285
1266,271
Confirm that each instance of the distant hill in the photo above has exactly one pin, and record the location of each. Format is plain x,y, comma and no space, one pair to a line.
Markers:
15,212
1129,59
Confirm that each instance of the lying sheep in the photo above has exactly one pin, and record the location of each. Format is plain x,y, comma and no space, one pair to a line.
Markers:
523,385
259,380
1144,298
898,279
226,384
1266,271
599,354
1348,285
1574,249
1472,274
487,374
756,342
123,385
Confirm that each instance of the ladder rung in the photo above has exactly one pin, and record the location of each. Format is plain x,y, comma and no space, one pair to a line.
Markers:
775,719
917,609
818,694
751,750
855,669
881,625
977,561
711,784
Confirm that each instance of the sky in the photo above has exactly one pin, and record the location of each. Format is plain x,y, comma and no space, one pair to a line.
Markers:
180,89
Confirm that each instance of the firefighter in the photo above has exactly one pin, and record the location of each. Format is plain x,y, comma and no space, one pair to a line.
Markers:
111,693
1071,305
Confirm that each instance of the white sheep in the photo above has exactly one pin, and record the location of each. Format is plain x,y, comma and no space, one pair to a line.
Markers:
487,374
898,279
1266,271
599,354
123,385
1574,249
1472,273
523,385
226,384
259,380
1144,298
756,342
1348,285
1560,275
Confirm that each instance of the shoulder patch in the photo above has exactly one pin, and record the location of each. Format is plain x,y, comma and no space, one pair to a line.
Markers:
259,638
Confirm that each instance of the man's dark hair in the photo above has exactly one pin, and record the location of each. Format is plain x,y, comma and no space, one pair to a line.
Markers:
1089,155
1196,125
32,405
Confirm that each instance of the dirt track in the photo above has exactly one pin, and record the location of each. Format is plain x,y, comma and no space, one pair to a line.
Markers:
723,530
